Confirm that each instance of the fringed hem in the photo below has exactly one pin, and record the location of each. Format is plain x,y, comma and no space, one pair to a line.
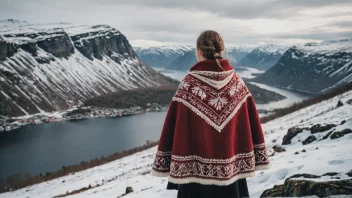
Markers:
159,174
210,181
263,167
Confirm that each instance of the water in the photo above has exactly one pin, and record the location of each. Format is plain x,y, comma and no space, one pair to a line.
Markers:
44,148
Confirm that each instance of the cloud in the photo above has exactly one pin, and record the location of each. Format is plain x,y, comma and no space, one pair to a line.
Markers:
159,21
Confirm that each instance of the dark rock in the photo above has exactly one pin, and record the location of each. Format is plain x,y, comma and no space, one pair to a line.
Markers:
317,148
296,153
349,101
278,149
304,150
30,47
321,189
310,176
59,46
276,191
349,173
299,188
129,190
339,104
291,133
327,135
6,49
273,141
319,128
309,140
343,122
330,174
339,134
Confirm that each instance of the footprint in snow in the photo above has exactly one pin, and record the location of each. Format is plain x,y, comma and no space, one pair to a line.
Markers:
335,162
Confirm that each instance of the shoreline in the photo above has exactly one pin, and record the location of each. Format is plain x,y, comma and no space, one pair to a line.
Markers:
14,182
8,124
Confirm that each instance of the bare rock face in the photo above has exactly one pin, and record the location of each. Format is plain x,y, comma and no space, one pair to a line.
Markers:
59,46
6,49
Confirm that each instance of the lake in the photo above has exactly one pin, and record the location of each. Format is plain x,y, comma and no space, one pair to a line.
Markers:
36,149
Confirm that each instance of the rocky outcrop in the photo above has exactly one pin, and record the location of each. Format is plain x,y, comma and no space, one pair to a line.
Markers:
291,133
338,134
317,128
96,44
321,128
59,46
309,140
299,187
6,49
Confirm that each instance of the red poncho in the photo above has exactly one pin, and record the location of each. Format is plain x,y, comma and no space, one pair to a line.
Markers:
212,132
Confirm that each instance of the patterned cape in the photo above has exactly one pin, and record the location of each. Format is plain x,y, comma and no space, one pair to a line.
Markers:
212,132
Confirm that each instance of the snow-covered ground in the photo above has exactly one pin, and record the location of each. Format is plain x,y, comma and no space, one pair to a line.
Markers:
320,157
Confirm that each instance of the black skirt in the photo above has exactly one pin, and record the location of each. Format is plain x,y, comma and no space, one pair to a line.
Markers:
237,189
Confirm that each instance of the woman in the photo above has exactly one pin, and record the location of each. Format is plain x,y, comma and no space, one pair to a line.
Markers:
212,137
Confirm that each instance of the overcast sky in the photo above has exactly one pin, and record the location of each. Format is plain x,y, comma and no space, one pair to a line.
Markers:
156,22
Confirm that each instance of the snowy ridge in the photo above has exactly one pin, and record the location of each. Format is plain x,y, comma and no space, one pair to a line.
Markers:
331,156
271,49
166,50
327,47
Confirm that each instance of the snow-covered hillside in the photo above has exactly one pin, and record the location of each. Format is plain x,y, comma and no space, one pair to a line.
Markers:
318,157
46,67
263,57
314,67
162,56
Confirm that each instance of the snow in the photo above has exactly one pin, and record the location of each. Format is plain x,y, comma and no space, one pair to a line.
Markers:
320,157
327,47
272,49
167,50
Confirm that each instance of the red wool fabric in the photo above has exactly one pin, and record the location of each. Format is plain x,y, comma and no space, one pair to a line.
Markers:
212,132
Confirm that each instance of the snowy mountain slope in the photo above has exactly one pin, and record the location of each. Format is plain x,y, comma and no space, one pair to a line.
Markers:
329,155
263,57
162,56
235,54
314,67
46,67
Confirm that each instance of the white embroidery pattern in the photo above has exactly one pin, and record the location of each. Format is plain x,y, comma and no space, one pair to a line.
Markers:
199,168
162,161
216,106
198,91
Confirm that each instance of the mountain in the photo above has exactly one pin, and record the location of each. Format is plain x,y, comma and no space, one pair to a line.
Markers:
47,67
317,161
314,67
183,62
263,57
182,57
163,55
235,54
